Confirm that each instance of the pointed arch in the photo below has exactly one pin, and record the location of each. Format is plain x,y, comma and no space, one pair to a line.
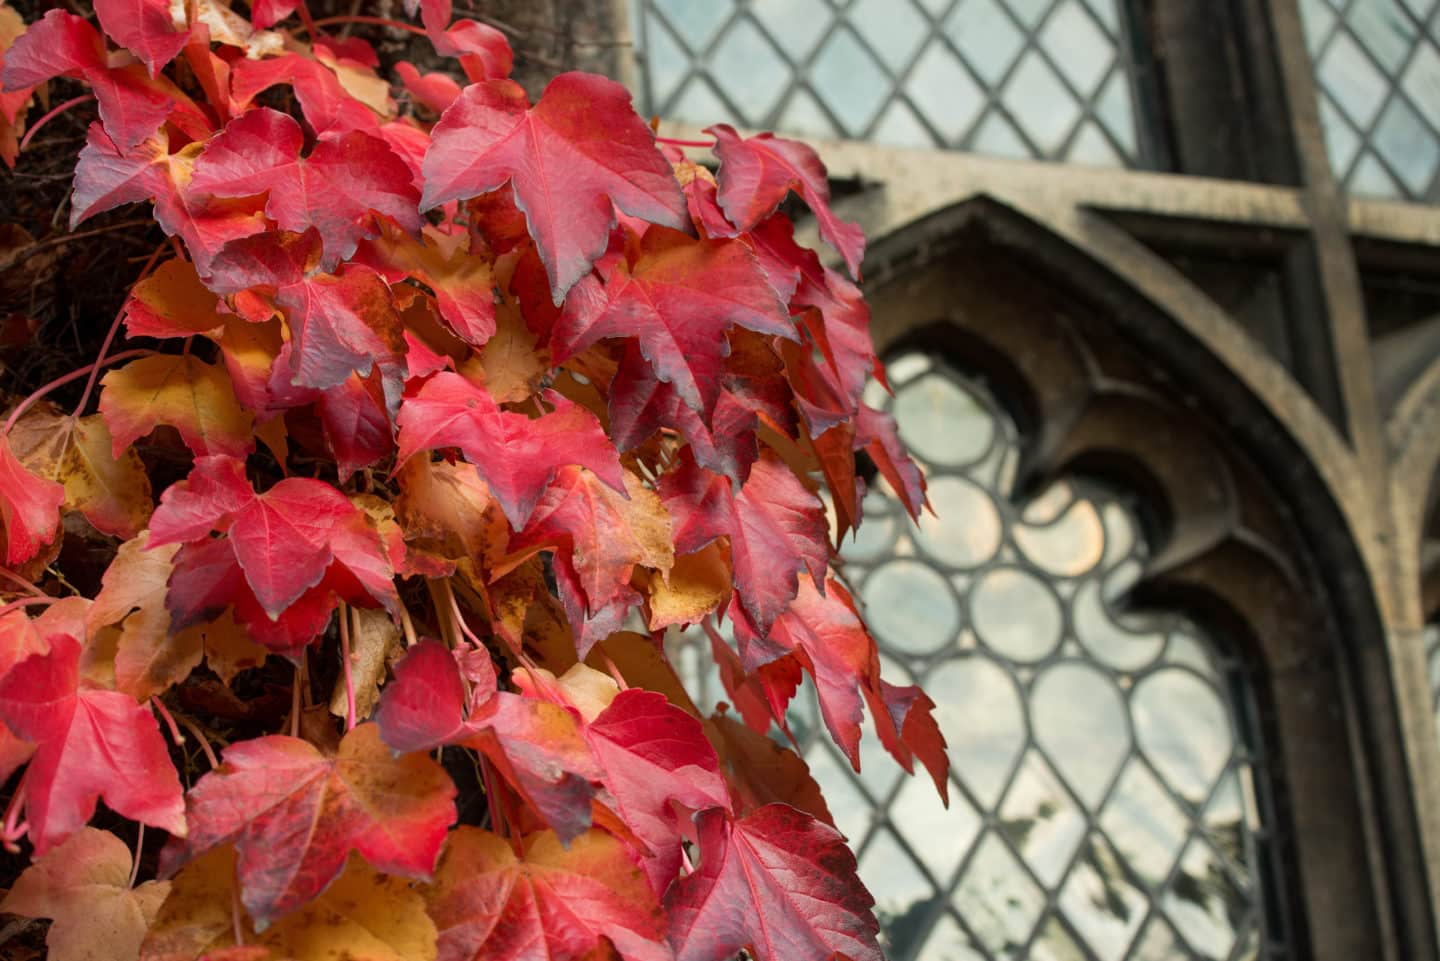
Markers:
1259,524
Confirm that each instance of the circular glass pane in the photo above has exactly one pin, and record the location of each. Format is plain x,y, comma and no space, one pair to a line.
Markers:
942,422
965,529
1016,614
910,607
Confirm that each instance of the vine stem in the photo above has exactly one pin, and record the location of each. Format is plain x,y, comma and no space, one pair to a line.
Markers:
12,831
614,671
707,144
346,666
408,626
199,735
139,847
74,375
54,112
114,328
21,582
372,21
235,912
295,697
169,720
42,601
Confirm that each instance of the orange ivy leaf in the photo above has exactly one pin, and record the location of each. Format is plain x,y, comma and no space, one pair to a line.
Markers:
182,391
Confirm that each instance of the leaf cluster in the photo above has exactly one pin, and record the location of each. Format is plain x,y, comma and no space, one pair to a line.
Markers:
436,410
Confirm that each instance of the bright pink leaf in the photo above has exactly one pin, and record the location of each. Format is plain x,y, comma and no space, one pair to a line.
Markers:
678,298
757,172
29,507
651,753
335,189
144,27
294,815
572,158
89,744
778,883
515,454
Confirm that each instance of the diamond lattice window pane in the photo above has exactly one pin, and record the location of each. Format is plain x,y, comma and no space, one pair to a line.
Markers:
1378,69
1101,902
1108,13
1030,12
755,72
997,898
1041,821
1408,146
997,137
695,21
850,82
1341,140
915,73
1078,45
1040,103
900,127
1353,80
986,37
796,25
893,28
1385,30
941,89
804,116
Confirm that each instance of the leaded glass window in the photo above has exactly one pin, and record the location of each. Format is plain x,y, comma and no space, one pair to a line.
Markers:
1104,783
1046,79
1377,65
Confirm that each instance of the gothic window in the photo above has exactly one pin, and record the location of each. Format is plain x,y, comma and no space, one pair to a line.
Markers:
1377,63
1104,775
1040,79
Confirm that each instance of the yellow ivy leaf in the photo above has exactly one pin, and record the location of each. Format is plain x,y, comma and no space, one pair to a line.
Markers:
184,392
362,916
172,302
84,887
112,490
698,584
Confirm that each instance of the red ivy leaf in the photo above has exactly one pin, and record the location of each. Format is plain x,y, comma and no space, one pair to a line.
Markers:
553,903
678,299
294,815
579,150
778,883
334,189
29,507
827,636
283,540
536,745
652,753
144,27
89,744
757,172
515,454
340,323
776,529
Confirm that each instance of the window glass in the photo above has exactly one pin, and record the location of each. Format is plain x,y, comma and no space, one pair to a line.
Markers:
1045,79
1377,65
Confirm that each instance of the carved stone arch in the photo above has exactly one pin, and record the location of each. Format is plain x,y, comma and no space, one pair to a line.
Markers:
1106,381
1412,434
